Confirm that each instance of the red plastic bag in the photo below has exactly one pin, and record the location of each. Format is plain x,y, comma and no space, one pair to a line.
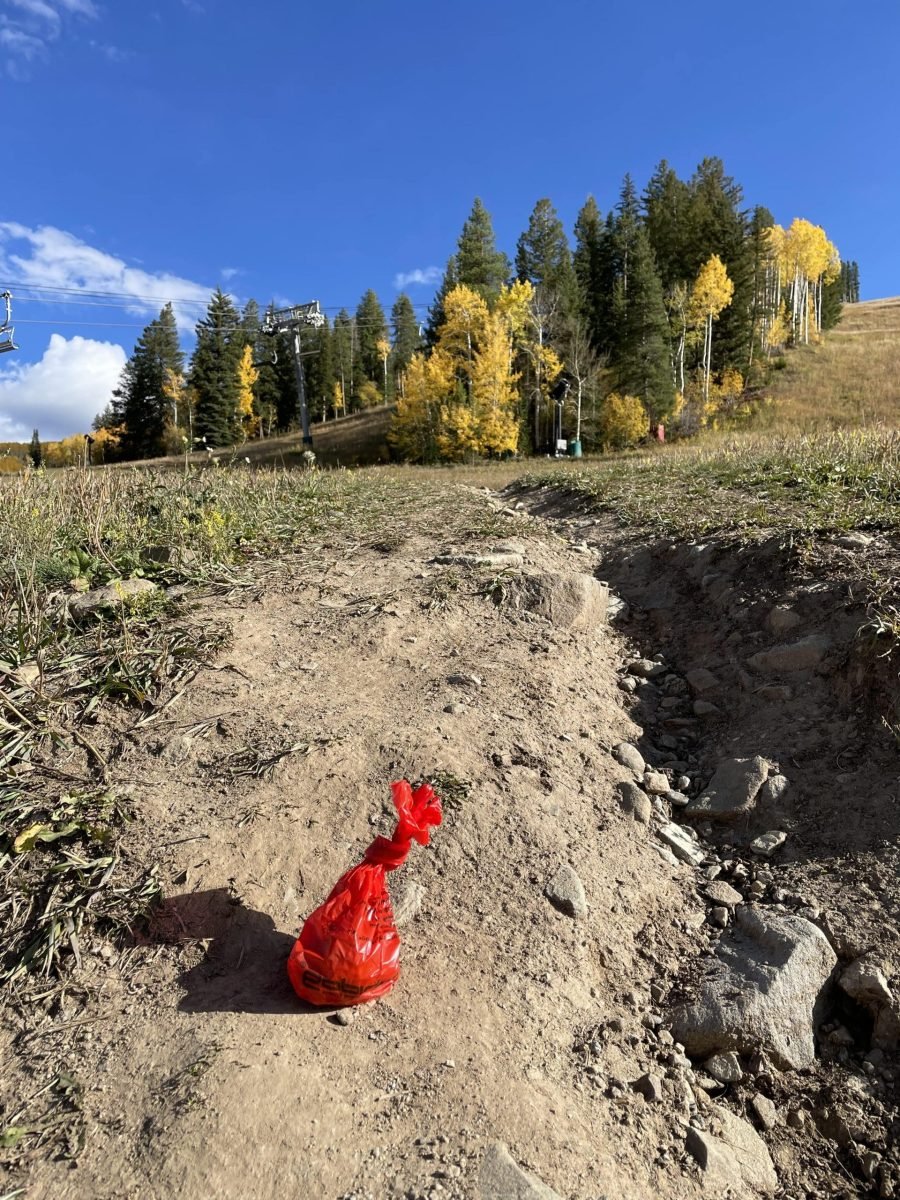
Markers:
348,951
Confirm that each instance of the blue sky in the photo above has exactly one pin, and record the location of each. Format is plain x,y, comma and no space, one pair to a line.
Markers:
311,151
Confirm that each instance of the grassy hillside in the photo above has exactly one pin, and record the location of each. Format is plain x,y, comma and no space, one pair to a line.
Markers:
852,379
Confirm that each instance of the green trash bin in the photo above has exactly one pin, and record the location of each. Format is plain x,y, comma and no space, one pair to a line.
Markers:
575,448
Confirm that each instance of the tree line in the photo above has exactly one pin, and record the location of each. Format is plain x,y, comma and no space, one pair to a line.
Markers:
664,311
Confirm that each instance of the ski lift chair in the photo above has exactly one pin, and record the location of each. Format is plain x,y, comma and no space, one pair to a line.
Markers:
7,333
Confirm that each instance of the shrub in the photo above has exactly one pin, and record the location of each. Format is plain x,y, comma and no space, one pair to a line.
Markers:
623,421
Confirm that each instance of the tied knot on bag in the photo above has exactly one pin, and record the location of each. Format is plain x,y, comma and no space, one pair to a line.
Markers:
417,810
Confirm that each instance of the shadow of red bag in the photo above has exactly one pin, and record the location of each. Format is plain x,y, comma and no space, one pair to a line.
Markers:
348,952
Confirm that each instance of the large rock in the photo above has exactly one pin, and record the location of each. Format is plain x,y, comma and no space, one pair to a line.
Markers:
114,595
731,1155
796,656
568,601
501,1178
764,990
732,791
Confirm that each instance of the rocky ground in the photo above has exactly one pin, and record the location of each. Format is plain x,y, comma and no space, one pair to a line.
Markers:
652,950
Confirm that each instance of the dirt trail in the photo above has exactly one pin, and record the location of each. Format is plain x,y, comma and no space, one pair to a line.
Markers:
512,1022
210,1081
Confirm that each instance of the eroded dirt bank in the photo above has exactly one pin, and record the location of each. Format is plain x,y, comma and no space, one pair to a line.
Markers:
514,1022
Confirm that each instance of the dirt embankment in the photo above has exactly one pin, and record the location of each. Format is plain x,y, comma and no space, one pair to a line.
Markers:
556,923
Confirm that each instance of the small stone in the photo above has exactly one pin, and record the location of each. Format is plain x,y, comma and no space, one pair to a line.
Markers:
565,891
666,855
765,1111
723,893
343,1016
738,1161
501,1178
409,903
704,708
782,619
650,1087
756,889
656,783
796,1118
768,843
866,983
718,916
27,674
702,680
464,680
455,709
724,1067
796,656
841,1036
113,596
680,842
683,783
629,756
855,541
628,684
645,668
634,801
773,789
870,1162
677,799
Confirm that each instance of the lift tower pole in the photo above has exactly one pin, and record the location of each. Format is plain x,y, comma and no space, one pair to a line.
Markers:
292,321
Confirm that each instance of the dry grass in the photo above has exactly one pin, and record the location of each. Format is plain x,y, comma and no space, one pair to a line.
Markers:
851,380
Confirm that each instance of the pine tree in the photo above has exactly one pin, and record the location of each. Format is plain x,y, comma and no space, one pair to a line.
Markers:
643,366
140,400
479,264
436,311
587,265
371,328
405,339
34,450
319,373
342,354
544,259
666,205
627,222
717,225
214,371
275,393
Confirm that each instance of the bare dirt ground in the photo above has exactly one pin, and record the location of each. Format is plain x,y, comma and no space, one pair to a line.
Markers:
198,1072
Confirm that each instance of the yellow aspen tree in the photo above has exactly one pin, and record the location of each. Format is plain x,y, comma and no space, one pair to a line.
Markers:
712,293
494,397
337,397
247,377
384,350
417,421
465,322
623,421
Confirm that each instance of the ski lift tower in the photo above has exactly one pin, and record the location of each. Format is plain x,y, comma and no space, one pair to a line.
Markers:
292,321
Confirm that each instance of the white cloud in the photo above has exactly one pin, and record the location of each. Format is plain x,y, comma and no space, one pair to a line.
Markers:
63,392
427,276
27,30
51,258
228,273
